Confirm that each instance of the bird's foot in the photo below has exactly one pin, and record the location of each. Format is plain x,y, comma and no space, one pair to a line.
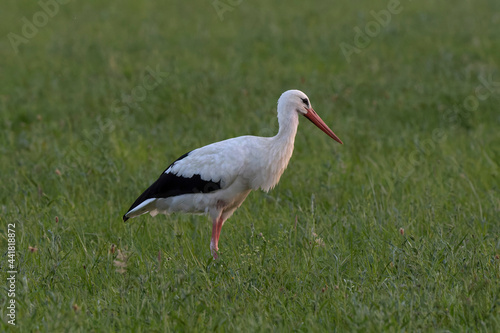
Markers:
214,249
215,253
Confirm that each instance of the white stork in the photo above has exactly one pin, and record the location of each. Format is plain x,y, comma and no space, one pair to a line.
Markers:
217,178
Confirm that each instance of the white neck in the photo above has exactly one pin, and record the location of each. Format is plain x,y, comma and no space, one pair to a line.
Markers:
284,140
281,146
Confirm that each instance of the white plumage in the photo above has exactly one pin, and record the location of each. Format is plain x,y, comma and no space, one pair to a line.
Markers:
217,178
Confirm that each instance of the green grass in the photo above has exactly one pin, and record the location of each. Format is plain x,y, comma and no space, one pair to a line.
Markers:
396,230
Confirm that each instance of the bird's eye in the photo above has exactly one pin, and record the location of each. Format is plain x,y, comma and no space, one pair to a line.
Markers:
306,102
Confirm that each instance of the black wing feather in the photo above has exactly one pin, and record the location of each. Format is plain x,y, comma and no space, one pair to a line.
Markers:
170,185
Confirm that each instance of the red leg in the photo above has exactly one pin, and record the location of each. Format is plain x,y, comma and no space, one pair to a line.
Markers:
214,242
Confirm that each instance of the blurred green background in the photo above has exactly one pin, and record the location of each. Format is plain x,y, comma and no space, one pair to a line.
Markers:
398,229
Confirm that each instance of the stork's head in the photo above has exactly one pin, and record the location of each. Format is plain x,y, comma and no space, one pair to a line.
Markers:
296,100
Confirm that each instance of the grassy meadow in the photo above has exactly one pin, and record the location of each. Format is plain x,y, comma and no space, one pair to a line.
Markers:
396,230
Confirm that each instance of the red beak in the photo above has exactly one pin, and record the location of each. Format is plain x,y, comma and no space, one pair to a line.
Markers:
316,120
